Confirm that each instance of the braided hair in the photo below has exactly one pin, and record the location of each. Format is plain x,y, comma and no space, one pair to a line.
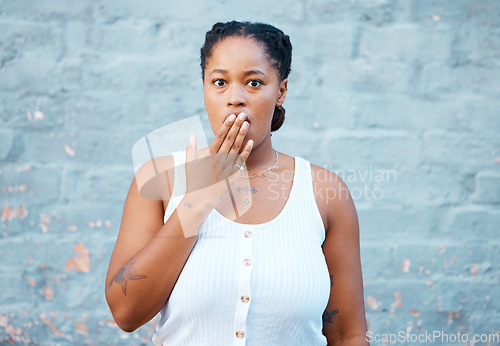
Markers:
276,46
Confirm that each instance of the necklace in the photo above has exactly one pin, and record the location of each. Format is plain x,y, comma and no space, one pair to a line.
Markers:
261,174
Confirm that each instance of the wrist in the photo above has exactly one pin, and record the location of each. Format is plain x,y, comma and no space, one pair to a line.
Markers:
197,203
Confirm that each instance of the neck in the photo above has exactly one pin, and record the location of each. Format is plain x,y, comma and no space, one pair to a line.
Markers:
261,157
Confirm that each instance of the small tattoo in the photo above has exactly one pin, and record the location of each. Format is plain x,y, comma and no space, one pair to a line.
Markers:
187,204
328,316
127,273
200,227
246,190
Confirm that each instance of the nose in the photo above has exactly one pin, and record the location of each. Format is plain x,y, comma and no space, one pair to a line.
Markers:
236,96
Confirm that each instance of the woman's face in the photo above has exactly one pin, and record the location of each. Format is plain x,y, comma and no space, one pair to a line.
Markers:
239,78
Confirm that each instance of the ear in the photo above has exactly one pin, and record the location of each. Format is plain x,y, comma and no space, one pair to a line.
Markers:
282,92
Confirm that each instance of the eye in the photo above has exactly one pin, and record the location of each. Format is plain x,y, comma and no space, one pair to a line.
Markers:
219,82
255,83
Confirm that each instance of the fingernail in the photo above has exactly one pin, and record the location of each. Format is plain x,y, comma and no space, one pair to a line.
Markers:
241,116
231,117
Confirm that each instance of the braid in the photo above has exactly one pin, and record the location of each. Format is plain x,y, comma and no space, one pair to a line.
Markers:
276,45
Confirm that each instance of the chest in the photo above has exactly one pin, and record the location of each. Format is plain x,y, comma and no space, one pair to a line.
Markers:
265,201
257,202
268,199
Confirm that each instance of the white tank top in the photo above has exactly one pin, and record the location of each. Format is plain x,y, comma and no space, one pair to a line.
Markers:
254,285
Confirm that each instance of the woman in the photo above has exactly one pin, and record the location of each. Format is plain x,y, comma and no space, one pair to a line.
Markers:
287,271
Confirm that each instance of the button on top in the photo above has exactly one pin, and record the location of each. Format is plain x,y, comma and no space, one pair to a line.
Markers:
245,299
247,262
240,333
247,234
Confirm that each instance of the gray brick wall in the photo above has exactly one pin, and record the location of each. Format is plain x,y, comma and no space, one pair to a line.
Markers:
400,98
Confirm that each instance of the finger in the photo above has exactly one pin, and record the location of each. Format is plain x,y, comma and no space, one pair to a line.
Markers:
235,148
243,156
221,134
232,134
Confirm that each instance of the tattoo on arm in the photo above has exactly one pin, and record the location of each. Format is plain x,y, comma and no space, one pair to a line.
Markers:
127,273
328,316
200,227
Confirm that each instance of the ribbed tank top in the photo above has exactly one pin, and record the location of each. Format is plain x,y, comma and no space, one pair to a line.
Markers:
251,284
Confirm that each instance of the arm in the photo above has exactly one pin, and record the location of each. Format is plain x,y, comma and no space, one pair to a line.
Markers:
344,321
148,257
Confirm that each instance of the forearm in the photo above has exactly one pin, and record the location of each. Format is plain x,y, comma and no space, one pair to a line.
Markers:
144,283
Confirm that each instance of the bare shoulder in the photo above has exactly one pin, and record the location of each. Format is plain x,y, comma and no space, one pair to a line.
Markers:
330,191
155,179
326,178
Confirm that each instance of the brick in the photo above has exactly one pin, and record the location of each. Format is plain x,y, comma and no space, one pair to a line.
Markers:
31,184
385,297
364,77
106,110
90,216
18,285
171,108
486,323
472,223
307,145
92,184
432,262
363,148
325,41
482,12
27,111
108,12
436,187
376,13
69,147
53,10
6,142
441,79
477,44
487,187
463,152
385,111
318,114
482,115
392,43
22,37
129,72
126,37
30,72
377,222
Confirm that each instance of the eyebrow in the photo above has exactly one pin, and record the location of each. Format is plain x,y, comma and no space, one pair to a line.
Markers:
246,73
